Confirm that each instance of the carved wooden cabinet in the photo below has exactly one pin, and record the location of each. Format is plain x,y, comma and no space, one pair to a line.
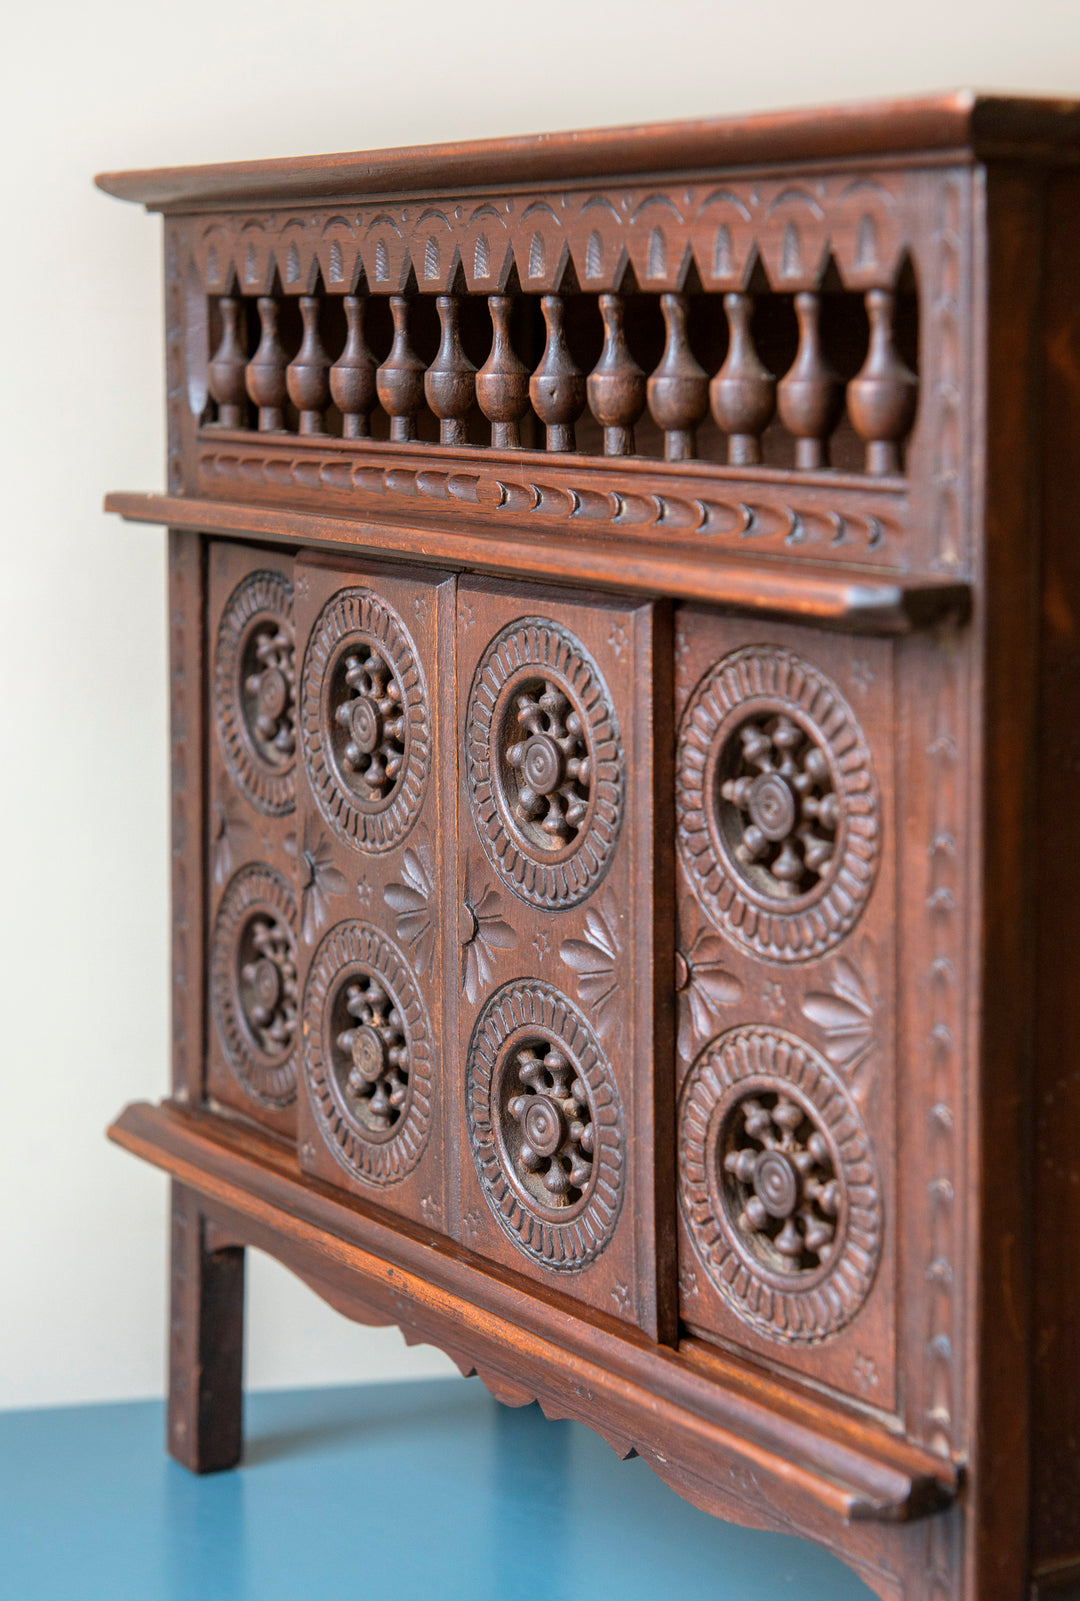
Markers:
625,709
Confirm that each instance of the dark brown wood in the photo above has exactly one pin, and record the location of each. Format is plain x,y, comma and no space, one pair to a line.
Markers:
206,1341
624,861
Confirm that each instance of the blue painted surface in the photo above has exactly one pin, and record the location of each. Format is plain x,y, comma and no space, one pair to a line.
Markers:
405,1492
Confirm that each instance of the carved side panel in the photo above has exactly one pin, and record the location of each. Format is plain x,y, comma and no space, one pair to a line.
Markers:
370,864
187,633
252,925
561,1053
786,945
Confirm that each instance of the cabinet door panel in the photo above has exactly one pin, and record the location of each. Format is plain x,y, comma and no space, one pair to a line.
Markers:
372,871
786,955
563,988
253,1028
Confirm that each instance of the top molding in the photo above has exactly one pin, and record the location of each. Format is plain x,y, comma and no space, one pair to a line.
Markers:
961,126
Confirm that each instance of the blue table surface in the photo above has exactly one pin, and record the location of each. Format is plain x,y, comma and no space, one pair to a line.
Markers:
397,1491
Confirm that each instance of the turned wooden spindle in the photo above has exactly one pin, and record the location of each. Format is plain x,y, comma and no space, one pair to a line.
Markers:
400,379
881,397
450,381
616,385
225,375
810,395
352,377
557,387
743,393
265,372
502,384
306,374
678,389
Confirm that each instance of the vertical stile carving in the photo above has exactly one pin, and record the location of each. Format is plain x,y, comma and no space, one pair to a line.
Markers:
678,390
225,375
306,374
400,379
743,393
616,385
265,372
450,381
557,387
881,397
809,394
352,377
502,384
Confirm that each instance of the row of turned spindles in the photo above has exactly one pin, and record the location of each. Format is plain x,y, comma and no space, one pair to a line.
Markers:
743,395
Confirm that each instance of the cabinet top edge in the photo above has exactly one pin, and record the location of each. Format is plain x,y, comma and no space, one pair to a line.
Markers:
964,125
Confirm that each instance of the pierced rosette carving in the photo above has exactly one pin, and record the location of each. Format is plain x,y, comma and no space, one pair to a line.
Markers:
255,691
367,1053
545,763
777,1184
365,726
778,814
253,983
545,1125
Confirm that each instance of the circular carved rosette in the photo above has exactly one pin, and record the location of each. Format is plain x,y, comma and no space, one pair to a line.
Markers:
545,763
365,727
777,1184
255,691
367,1053
545,1125
253,983
778,813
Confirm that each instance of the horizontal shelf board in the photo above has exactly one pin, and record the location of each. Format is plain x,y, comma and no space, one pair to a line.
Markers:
860,601
958,123
576,1362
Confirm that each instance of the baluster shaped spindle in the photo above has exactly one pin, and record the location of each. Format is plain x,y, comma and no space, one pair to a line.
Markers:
352,377
616,385
450,381
502,384
743,393
225,376
881,397
678,389
306,374
400,379
265,372
557,387
810,395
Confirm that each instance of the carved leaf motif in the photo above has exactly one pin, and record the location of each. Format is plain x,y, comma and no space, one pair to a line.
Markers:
594,959
491,932
844,1014
410,900
316,876
709,984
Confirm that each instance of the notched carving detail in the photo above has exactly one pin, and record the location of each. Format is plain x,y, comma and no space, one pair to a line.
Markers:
777,1184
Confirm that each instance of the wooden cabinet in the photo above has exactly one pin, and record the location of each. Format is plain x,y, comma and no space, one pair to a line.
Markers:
623,597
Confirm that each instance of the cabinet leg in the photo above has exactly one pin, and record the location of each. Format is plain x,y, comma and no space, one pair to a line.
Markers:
206,1343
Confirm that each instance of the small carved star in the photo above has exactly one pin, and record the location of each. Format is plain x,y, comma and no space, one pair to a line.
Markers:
267,841
773,997
420,606
688,1281
466,616
861,673
618,638
307,1151
620,1294
470,1227
428,1207
866,1373
302,586
541,944
363,890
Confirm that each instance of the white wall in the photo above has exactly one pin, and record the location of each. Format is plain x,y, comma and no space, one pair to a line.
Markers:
83,956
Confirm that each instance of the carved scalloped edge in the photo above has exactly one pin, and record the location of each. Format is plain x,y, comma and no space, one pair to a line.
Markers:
744,520
600,238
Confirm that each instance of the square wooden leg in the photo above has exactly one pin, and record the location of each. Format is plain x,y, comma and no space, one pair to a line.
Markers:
206,1343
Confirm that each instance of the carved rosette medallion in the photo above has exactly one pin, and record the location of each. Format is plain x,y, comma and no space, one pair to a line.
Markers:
367,1053
777,1184
255,691
253,983
544,763
365,729
778,812
545,1125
